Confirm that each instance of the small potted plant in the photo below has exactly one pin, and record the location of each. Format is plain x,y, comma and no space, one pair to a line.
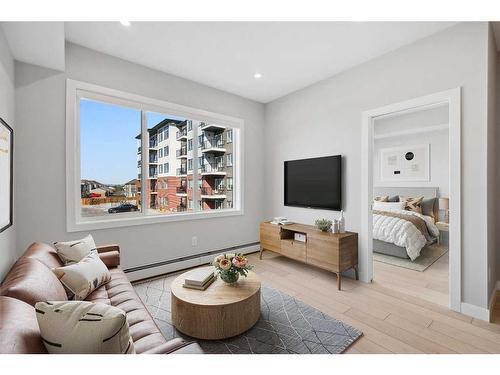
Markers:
323,225
231,266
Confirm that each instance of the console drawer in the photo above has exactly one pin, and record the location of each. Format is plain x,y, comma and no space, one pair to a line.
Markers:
293,249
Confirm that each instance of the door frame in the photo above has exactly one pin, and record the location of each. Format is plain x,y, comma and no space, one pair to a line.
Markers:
452,98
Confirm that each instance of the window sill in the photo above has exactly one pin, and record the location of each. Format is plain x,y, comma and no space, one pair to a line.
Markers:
139,219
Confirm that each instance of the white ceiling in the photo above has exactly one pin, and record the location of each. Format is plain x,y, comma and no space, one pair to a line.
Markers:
225,55
39,43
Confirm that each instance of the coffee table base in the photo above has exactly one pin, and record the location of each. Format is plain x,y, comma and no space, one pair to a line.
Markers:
215,322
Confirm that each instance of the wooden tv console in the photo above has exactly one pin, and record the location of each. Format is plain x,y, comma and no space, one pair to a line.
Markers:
335,252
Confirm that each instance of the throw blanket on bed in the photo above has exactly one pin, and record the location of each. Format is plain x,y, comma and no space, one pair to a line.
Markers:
406,229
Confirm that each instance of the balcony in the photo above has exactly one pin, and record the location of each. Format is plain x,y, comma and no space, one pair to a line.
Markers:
181,171
182,134
216,170
153,160
181,208
214,146
153,144
209,193
181,153
139,150
181,191
212,128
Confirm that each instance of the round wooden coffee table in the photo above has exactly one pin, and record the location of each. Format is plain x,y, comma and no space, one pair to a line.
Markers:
220,311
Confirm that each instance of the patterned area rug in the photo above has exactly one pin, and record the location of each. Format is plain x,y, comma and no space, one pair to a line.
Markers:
428,256
286,325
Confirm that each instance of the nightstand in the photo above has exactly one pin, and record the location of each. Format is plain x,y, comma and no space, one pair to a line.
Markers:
444,229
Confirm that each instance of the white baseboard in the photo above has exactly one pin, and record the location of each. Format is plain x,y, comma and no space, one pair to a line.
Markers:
182,264
475,311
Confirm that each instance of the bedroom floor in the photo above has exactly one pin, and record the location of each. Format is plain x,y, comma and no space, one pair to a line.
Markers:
430,285
406,316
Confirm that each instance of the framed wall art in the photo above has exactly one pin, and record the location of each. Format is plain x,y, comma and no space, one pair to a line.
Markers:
405,163
6,175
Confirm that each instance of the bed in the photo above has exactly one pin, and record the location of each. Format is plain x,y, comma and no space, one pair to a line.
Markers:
384,245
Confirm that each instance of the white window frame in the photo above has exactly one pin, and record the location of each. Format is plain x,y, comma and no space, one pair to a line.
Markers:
77,90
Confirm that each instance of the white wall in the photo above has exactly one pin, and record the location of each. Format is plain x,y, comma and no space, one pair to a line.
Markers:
425,120
40,114
8,249
325,119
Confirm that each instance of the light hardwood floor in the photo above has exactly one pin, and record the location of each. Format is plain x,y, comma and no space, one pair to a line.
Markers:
402,311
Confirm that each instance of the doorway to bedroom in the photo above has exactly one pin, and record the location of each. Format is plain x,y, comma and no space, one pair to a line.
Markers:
410,202
410,241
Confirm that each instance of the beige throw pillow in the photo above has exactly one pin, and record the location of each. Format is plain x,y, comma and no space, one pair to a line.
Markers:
74,251
80,327
412,204
84,277
384,198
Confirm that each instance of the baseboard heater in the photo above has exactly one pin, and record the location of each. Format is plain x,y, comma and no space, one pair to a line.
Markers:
188,258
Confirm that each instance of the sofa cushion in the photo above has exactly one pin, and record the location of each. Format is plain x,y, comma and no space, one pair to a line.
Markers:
19,331
120,293
32,281
74,251
81,327
84,277
43,253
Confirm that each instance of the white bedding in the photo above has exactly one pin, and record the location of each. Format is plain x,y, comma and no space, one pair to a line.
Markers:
403,233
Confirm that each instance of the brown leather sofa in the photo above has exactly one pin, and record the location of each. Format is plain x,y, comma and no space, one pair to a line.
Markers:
31,280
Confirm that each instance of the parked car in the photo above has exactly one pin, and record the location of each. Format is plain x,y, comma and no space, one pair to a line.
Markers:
124,207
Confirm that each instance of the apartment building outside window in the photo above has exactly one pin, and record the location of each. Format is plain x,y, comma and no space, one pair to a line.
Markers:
129,138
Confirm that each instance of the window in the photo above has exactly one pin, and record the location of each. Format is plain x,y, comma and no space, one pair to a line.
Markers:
229,204
229,183
115,137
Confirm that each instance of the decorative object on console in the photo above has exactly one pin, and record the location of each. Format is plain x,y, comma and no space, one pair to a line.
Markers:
231,266
405,163
6,175
324,225
74,251
81,327
444,205
342,222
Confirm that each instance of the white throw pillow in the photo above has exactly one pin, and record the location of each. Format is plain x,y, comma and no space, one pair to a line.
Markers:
79,327
75,251
84,277
388,206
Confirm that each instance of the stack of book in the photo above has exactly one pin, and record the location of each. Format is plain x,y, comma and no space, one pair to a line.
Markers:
199,279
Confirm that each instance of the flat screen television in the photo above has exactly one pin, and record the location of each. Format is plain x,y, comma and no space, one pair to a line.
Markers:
314,183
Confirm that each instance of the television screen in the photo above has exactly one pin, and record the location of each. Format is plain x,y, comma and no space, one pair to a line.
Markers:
314,183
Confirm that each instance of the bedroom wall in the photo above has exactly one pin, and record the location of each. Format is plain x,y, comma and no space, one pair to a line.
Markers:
325,119
40,114
8,249
426,120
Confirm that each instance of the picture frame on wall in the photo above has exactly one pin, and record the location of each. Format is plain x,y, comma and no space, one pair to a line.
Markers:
405,163
6,175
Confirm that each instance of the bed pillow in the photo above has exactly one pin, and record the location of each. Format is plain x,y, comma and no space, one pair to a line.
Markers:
384,198
84,277
74,251
412,204
388,206
429,207
80,327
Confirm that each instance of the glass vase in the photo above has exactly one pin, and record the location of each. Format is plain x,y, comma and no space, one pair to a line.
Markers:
229,277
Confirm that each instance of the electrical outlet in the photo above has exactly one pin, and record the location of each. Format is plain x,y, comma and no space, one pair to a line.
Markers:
194,241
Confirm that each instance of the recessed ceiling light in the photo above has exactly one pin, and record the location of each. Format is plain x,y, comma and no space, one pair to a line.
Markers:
257,75
125,23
